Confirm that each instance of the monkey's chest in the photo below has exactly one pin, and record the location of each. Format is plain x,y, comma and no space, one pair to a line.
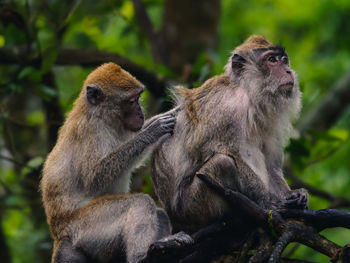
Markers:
256,160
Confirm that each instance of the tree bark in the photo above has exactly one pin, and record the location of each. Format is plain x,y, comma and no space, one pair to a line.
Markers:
5,254
189,28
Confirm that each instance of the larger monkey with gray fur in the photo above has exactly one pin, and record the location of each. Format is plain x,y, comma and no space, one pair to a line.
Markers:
233,128
86,177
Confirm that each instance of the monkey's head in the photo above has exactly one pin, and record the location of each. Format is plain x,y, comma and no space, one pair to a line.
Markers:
111,93
263,65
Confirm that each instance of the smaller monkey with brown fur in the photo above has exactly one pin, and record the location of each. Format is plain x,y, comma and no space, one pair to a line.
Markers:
86,176
232,128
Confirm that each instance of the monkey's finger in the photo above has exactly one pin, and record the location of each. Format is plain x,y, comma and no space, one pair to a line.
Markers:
176,111
168,121
292,201
293,195
168,127
166,117
170,117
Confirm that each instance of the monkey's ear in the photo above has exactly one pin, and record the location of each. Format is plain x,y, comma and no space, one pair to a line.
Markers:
94,94
237,64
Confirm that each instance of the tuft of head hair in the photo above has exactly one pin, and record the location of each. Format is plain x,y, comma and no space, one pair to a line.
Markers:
253,42
110,76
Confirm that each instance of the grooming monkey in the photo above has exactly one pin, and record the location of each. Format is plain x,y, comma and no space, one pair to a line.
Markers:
86,177
232,128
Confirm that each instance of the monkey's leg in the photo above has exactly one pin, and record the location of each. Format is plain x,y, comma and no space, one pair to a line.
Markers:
114,224
146,225
65,252
151,225
193,197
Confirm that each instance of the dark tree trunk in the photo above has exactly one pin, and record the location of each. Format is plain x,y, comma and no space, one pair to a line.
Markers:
189,28
4,251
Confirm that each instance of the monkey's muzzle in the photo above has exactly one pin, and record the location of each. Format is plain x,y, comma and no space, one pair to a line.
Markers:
287,88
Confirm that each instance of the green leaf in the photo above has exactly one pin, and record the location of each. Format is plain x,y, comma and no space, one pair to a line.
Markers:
341,134
35,118
127,10
25,72
48,91
2,41
36,162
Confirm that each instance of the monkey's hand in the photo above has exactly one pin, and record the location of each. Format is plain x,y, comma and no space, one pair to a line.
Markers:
172,112
297,199
160,125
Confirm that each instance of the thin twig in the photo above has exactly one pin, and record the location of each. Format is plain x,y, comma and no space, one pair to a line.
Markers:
154,38
9,159
280,245
90,58
292,250
327,155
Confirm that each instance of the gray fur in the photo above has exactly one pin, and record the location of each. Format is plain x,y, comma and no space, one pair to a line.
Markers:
241,127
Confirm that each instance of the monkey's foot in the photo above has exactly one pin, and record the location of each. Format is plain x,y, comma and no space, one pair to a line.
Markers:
169,247
179,239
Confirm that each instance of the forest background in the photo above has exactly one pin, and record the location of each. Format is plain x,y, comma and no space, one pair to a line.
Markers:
47,48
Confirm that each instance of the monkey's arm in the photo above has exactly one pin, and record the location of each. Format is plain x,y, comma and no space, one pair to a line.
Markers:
296,199
292,199
118,162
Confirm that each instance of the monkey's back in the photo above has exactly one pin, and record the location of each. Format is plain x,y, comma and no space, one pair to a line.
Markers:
203,128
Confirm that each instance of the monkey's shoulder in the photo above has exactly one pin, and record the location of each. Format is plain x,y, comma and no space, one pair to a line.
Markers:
215,82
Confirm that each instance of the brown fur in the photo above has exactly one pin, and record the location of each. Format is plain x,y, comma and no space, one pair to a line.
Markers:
75,132
193,96
112,73
86,176
253,42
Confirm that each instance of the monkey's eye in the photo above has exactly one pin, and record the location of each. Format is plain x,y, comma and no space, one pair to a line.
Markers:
272,59
284,59
134,99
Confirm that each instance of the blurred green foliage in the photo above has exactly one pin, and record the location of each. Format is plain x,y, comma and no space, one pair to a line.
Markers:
316,35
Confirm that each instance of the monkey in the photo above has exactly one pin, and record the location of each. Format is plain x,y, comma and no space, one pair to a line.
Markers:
86,177
233,128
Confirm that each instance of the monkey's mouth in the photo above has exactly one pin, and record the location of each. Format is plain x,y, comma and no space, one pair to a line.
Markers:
287,88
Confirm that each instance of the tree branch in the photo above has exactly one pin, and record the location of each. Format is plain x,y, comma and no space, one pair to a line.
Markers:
289,225
89,58
153,37
330,109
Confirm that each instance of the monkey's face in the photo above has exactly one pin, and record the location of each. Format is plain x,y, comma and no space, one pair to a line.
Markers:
278,77
262,71
132,115
113,95
116,108
263,68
